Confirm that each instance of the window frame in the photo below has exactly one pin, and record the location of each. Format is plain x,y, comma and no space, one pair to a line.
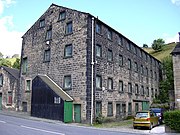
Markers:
69,28
120,60
98,108
100,77
42,23
100,47
47,55
24,65
130,87
49,34
110,85
28,84
136,89
98,28
110,109
121,86
109,34
129,64
62,15
64,84
65,51
110,55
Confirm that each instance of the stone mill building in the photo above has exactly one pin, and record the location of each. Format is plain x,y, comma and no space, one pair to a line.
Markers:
74,60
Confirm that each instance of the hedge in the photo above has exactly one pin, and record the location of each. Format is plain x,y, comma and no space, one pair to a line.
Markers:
172,119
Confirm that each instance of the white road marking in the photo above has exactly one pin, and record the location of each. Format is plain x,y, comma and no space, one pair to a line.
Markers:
42,130
2,121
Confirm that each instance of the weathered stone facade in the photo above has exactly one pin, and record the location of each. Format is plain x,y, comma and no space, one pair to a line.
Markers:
9,88
176,70
79,64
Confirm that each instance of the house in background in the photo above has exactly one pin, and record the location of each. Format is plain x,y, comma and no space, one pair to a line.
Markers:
176,71
9,86
100,70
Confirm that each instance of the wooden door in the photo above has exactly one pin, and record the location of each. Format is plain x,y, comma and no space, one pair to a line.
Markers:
77,113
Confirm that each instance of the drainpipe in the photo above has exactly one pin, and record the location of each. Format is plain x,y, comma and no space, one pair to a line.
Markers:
92,73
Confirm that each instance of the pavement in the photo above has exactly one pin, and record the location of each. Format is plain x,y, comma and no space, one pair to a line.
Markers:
156,130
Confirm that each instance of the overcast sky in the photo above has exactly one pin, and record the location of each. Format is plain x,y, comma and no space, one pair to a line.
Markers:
141,21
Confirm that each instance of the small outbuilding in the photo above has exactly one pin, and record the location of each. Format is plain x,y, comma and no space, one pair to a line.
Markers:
50,101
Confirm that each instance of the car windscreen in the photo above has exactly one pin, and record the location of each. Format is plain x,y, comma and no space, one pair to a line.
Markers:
142,114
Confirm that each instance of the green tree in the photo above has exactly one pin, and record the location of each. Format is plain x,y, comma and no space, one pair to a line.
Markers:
167,83
157,44
1,55
5,62
16,63
145,46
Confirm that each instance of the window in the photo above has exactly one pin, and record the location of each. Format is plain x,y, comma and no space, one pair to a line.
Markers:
136,66
152,92
129,88
68,51
151,72
69,29
98,28
119,40
110,109
98,82
1,80
129,64
118,110
24,65
9,98
120,60
98,108
129,108
136,89
49,34
147,91
62,15
28,85
67,82
47,54
155,75
98,50
109,34
110,84
142,90
57,100
121,86
42,23
128,45
136,107
110,55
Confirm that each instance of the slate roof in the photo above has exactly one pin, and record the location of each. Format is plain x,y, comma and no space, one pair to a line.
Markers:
14,72
176,50
58,90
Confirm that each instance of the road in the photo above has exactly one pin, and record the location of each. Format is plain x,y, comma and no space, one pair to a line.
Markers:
10,125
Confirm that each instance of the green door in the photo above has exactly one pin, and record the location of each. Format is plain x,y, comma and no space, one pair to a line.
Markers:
145,105
77,113
68,111
0,101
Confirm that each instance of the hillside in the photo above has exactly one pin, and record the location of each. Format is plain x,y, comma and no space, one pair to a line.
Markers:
166,50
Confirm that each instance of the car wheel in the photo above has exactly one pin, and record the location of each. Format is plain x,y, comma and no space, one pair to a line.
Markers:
151,126
135,127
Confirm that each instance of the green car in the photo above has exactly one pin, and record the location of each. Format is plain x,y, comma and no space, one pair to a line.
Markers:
145,119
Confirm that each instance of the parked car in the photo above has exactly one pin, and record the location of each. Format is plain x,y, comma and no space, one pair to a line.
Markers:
145,119
159,112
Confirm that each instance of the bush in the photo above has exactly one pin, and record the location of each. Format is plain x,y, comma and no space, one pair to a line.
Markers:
172,119
99,119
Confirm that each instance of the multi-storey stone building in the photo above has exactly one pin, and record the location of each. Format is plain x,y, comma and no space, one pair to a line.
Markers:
176,70
9,86
83,55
